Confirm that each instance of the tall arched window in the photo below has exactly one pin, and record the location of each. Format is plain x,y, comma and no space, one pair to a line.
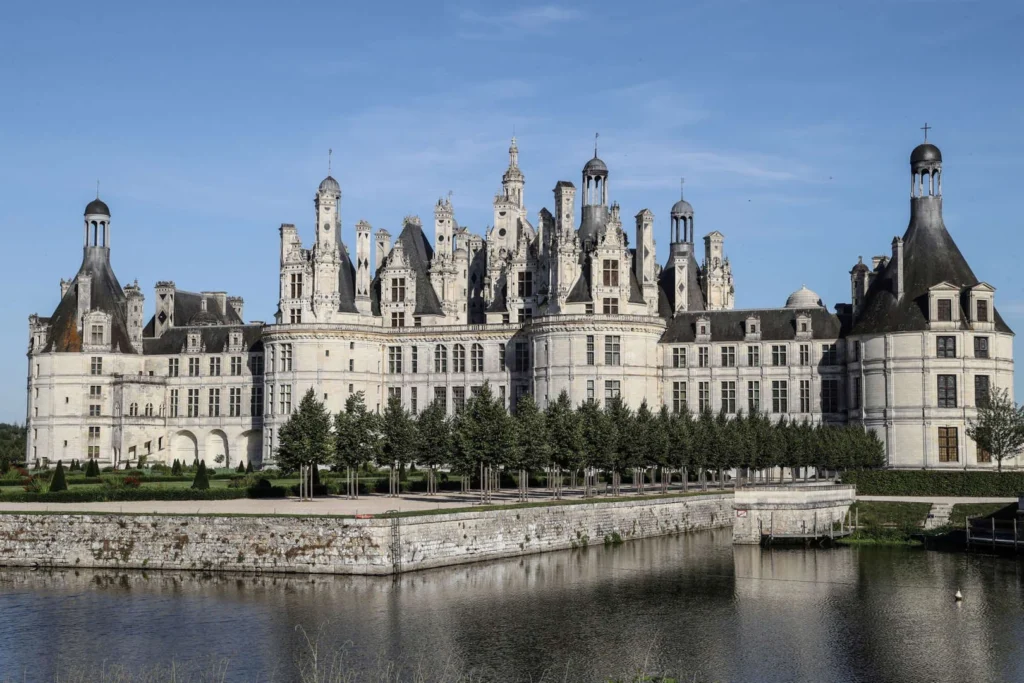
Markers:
133,410
440,358
459,358
476,358
149,410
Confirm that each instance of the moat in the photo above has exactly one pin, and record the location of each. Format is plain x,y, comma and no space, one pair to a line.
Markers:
692,604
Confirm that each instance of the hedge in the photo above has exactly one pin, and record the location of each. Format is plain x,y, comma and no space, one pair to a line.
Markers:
142,494
935,483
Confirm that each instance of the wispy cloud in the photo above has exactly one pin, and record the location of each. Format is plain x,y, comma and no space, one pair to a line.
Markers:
537,19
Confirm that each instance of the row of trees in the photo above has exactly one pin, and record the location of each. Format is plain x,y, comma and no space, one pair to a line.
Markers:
483,439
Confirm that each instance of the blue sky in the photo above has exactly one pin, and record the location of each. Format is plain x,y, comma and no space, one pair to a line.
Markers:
208,126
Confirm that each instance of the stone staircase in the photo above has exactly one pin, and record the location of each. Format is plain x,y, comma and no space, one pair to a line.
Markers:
938,516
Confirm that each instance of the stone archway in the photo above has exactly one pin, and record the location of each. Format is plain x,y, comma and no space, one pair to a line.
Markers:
251,445
184,447
216,445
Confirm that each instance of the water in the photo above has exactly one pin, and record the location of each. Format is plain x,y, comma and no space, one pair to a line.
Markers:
691,604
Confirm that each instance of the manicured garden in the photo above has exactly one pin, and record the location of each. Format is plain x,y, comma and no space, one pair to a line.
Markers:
935,483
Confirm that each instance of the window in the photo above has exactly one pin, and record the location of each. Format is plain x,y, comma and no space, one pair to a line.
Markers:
981,347
610,272
397,318
805,396
395,392
728,356
441,397
703,396
753,356
172,367
948,446
829,356
235,402
236,366
413,400
94,433
351,365
947,391
476,358
215,367
945,310
193,403
395,360
285,399
830,396
174,403
193,367
522,357
981,390
525,284
94,410
214,403
256,402
678,397
855,352
95,391
612,389
133,410
417,321
414,359
96,334
256,364
729,397
778,354
590,390
780,396
459,398
295,316
296,285
612,349
805,354
474,391
588,309
983,311
459,358
702,357
946,347
610,305
96,366
286,357
398,289
590,349
440,358
501,356
506,318
983,455
753,397
94,452
270,398
679,357
856,404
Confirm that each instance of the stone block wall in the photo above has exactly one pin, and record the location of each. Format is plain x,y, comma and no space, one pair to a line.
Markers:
789,511
332,545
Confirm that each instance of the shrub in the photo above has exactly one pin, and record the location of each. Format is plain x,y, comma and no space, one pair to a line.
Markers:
101,495
934,483
93,469
202,480
248,468
241,468
31,485
176,468
58,483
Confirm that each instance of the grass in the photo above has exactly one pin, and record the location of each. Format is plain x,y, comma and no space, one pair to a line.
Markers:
550,503
886,523
964,511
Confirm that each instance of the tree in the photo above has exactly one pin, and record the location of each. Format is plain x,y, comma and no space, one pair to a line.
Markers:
397,441
92,469
202,479
599,441
241,468
484,437
58,482
435,443
248,467
566,437
680,444
620,435
12,445
533,445
356,439
306,439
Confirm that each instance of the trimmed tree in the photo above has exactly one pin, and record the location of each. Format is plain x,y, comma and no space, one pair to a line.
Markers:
202,478
533,446
248,467
485,437
58,482
566,437
397,441
356,439
435,443
306,439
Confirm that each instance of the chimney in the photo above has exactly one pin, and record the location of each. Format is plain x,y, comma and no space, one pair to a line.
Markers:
65,285
897,257
84,297
383,247
237,305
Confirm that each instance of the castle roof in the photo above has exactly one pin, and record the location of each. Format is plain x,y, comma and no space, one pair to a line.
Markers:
777,324
105,295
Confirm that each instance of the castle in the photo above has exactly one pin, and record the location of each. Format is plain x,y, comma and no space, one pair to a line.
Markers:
563,304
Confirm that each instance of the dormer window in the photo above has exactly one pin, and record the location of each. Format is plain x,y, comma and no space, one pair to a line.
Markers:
96,334
945,310
398,290
982,311
752,329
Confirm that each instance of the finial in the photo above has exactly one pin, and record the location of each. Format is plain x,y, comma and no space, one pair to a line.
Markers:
97,189
595,144
329,153
926,128
681,182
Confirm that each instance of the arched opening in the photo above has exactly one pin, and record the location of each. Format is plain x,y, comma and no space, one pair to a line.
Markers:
95,229
184,447
215,451
252,447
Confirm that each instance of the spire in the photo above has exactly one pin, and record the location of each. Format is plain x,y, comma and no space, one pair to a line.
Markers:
513,153
329,153
682,181
595,144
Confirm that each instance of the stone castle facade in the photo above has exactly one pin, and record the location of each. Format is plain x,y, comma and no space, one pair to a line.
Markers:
568,303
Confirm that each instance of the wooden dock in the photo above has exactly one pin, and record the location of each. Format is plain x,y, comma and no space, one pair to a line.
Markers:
994,534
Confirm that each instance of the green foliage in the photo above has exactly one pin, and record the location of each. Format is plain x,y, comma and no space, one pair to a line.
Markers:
58,483
92,469
176,468
12,445
398,436
356,434
248,467
935,483
565,433
241,468
118,494
306,438
533,443
202,480
484,433
436,441
999,427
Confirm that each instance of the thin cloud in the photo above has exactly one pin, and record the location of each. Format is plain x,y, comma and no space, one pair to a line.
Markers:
537,19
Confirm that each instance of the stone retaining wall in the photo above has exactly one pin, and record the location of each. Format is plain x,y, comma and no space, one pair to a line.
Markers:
332,545
789,511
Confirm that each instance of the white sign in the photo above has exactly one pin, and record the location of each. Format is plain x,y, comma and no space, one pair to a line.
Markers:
741,513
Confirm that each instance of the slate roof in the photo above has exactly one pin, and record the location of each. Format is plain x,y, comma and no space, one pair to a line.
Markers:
419,253
188,307
215,339
667,288
594,220
581,292
930,256
777,324
346,282
106,295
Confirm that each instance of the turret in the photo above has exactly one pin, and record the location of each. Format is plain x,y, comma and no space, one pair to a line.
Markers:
326,254
383,239
644,259
164,299
444,221
134,314
363,275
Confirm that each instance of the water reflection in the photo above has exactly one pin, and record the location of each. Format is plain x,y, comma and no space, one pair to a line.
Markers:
691,604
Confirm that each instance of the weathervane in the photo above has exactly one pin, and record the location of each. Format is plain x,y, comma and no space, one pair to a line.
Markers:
681,182
595,144
329,153
926,128
97,189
